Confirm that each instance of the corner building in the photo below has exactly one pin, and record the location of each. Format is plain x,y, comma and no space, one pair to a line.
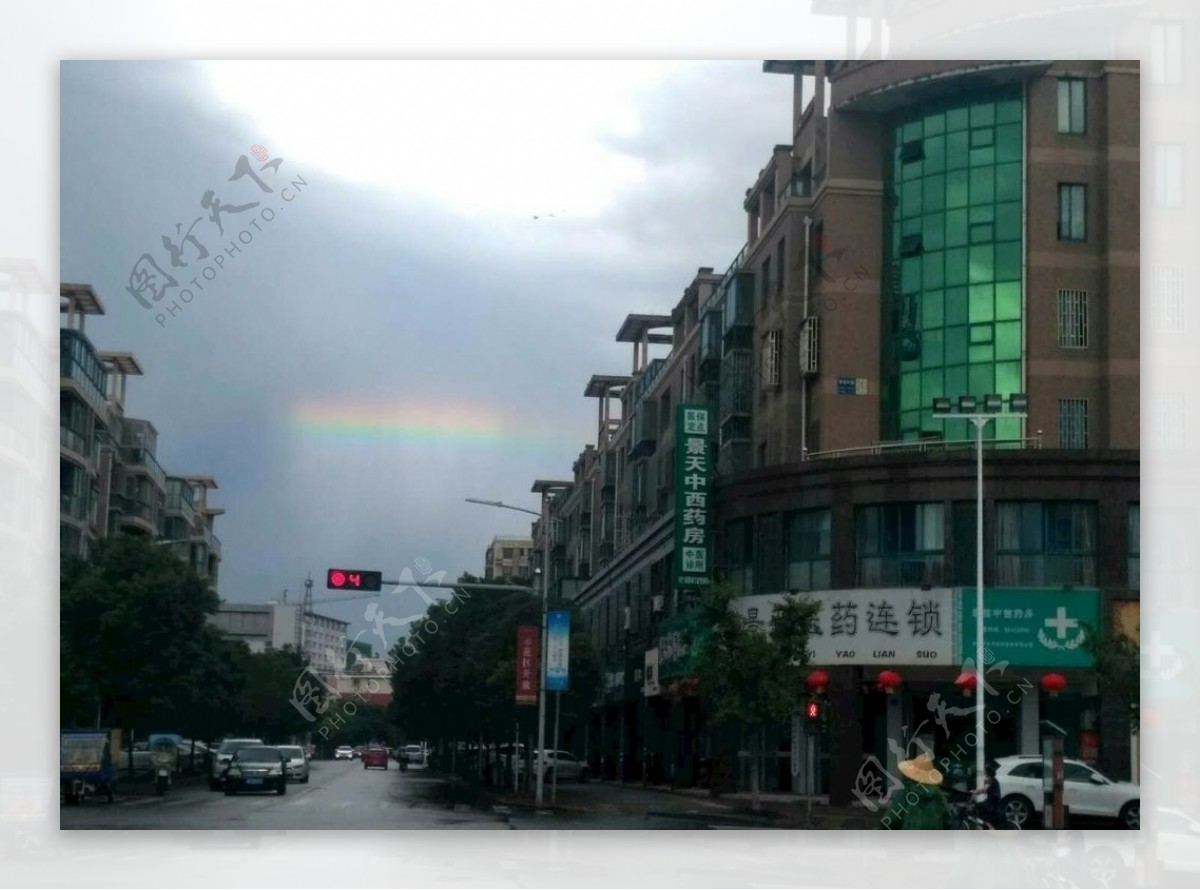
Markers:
933,229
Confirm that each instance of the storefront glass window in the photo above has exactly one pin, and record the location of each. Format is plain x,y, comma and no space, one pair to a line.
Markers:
808,550
1041,544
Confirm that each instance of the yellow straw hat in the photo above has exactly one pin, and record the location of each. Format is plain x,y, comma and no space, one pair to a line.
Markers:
920,769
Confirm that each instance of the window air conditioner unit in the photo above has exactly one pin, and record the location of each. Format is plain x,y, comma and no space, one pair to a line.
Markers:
810,342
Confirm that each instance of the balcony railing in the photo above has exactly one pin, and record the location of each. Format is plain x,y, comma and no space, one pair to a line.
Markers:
928,446
138,458
77,506
798,187
135,509
78,442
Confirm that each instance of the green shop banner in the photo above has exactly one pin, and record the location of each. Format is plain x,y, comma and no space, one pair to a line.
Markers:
1031,627
693,496
681,642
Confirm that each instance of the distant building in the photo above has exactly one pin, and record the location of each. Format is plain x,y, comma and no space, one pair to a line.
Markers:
368,680
269,626
507,558
110,480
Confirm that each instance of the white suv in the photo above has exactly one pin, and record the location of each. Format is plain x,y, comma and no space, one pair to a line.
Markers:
1086,792
343,752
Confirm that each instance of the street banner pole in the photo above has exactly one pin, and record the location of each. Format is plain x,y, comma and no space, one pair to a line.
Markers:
554,750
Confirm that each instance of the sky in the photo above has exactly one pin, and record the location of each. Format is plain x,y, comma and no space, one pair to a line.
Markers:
389,329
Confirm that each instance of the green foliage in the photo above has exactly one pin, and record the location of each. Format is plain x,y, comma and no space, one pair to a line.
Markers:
137,652
749,674
455,675
1118,666
132,635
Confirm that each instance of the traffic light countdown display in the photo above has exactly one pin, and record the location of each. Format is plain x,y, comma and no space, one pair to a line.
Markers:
353,579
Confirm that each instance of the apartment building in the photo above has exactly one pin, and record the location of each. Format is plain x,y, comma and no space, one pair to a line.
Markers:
110,479
508,558
273,626
931,230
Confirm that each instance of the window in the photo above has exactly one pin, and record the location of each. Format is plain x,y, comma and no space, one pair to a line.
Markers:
772,346
1072,105
1072,319
816,249
900,544
1135,547
1030,770
508,553
1167,289
766,279
1166,52
808,550
1077,772
770,569
1044,544
739,556
1168,175
1072,212
762,454
1072,423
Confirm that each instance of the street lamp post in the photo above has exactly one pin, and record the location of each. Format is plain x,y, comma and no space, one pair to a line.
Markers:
545,583
967,409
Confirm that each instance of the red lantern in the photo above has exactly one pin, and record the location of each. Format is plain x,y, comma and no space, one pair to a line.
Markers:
817,681
889,681
1054,683
966,682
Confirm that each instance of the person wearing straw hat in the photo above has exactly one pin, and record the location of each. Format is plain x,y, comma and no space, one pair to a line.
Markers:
919,802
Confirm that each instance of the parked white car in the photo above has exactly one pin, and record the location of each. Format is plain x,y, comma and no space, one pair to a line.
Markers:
1086,792
297,765
570,767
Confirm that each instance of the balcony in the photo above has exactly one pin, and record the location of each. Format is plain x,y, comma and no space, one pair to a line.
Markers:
76,442
800,186
644,431
179,506
135,509
139,460
737,393
81,369
76,506
738,317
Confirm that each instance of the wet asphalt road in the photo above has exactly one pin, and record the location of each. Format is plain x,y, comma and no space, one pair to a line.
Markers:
340,794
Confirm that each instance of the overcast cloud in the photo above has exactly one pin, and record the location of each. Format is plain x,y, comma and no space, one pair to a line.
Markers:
403,334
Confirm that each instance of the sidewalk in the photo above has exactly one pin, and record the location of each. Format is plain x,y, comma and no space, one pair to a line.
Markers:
783,811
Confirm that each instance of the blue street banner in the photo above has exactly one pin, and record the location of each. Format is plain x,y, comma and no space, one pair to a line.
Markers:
558,650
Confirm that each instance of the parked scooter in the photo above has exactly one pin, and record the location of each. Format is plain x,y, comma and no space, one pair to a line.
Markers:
164,759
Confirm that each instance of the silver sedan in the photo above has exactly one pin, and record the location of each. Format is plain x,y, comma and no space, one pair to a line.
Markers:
297,765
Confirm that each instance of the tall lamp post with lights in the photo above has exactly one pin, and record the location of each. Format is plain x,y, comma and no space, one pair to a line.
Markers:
968,408
543,488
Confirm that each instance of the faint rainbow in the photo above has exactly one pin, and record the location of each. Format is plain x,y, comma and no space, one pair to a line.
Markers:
460,423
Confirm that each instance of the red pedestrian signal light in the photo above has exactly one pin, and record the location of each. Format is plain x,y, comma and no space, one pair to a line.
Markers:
812,711
353,579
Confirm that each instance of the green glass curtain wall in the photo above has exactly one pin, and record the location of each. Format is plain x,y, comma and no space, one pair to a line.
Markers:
953,250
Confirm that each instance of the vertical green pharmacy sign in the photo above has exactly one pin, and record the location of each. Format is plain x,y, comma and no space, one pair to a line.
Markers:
693,496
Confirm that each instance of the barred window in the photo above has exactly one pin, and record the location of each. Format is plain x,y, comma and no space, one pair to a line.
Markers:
1073,319
1072,423
1166,287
